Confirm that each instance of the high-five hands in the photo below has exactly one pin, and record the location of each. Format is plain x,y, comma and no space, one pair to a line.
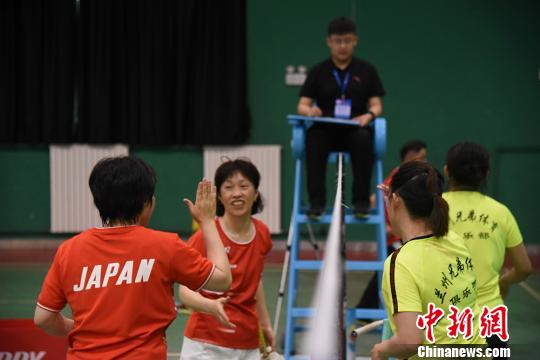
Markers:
204,208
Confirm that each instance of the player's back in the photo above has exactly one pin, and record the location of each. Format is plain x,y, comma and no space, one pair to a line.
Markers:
119,284
432,270
488,228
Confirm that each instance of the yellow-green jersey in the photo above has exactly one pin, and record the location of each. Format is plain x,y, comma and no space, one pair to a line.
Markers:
436,270
488,228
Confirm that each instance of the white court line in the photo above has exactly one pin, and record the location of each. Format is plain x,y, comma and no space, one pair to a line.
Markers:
535,294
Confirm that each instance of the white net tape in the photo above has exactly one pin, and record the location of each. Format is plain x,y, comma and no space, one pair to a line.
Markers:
324,328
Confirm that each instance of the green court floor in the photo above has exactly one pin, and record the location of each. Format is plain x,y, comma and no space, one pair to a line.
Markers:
20,285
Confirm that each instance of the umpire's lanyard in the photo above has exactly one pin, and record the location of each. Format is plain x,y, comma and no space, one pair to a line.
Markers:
342,84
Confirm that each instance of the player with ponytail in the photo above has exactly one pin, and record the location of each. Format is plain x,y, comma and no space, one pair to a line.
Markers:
489,228
433,267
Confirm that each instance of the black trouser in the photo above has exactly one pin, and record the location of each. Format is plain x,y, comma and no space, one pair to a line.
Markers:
494,342
322,139
370,297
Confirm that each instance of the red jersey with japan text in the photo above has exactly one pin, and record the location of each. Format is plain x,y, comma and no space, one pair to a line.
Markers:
118,283
247,264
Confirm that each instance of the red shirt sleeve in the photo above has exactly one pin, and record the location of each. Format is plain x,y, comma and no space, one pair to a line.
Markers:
190,267
196,241
52,296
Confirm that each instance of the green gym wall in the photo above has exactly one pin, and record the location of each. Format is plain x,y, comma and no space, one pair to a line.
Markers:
453,70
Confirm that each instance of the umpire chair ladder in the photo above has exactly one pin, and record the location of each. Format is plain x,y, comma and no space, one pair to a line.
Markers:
375,217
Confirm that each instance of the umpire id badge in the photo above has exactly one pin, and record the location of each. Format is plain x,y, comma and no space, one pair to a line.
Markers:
342,109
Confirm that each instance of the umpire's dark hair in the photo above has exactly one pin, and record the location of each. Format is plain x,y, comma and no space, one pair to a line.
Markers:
341,25
420,186
468,165
121,186
245,167
413,145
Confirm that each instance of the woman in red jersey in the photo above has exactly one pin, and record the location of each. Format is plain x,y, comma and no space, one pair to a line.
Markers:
226,324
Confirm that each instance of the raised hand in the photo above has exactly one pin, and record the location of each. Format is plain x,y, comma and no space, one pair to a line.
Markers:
204,208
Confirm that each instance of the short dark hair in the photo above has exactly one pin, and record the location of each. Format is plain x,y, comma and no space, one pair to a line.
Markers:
468,164
420,186
341,25
121,187
245,167
413,145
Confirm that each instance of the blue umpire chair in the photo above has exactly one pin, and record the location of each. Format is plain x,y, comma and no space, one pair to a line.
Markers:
376,217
